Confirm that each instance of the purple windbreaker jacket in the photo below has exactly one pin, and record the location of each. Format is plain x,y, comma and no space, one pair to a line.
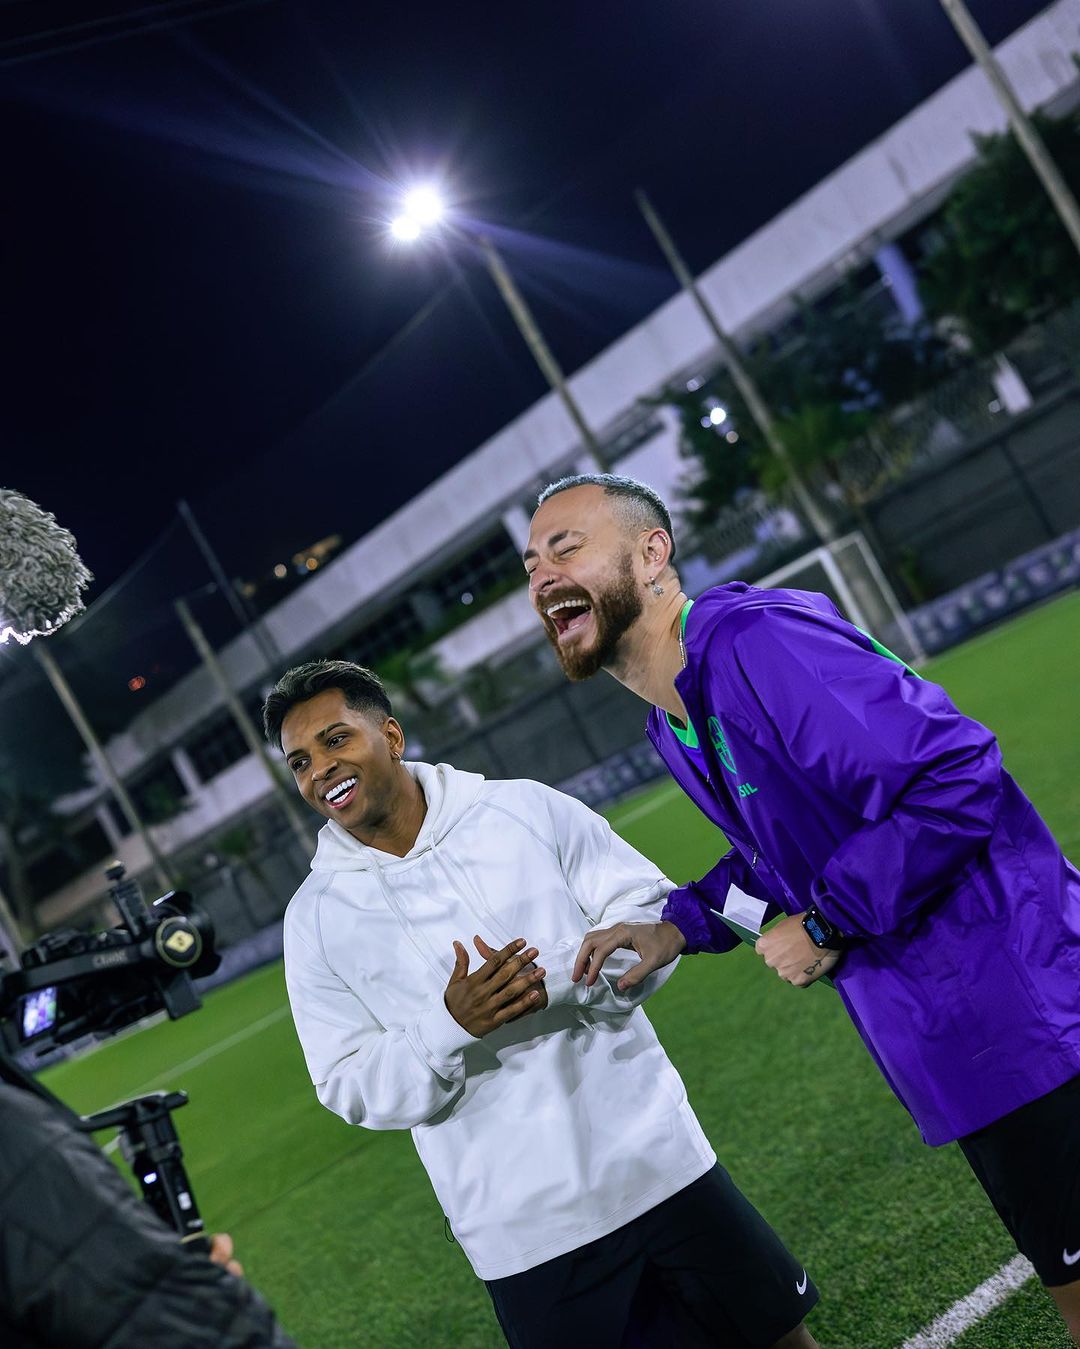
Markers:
842,778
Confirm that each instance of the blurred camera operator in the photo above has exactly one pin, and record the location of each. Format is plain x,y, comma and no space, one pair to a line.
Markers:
85,1264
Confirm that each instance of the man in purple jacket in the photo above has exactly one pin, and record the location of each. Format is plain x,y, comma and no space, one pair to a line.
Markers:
879,819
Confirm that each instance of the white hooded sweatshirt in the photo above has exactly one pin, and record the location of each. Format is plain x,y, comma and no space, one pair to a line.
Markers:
551,1131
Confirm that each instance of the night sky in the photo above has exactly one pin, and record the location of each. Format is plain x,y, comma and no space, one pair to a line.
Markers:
198,287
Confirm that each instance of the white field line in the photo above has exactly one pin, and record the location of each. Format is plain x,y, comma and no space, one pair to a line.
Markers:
962,1315
196,1060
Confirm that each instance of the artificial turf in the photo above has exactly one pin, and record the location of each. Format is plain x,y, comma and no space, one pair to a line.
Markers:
340,1229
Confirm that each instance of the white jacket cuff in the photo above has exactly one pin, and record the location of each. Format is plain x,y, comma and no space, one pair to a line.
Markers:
440,1036
561,989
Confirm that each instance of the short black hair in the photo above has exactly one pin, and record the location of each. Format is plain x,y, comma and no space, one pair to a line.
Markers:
363,690
636,503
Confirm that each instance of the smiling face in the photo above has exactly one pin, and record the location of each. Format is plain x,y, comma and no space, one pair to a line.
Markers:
583,578
346,763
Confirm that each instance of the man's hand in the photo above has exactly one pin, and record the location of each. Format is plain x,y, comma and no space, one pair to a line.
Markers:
542,1001
221,1252
500,990
787,949
656,943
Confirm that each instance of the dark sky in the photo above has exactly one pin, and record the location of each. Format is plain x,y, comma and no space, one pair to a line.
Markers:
197,280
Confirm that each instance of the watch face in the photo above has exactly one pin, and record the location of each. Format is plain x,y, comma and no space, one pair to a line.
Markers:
815,932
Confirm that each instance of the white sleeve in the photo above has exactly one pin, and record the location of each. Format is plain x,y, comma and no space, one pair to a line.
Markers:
612,883
382,1079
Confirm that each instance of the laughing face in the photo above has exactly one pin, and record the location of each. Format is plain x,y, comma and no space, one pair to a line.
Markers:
582,579
344,763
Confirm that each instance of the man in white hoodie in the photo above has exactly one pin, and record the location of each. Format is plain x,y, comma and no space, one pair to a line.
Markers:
592,1209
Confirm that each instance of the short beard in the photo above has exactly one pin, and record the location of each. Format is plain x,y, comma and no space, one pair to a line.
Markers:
615,610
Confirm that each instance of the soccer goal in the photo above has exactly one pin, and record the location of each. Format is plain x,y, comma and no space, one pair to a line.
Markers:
848,572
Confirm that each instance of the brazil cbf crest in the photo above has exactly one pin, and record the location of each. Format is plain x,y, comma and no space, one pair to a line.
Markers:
720,744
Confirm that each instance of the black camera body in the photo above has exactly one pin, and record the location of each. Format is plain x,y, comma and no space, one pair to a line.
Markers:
73,983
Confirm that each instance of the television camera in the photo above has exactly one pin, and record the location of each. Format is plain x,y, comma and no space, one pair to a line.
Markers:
75,984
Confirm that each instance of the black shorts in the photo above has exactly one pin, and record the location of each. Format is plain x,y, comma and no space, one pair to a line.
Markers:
702,1268
1028,1162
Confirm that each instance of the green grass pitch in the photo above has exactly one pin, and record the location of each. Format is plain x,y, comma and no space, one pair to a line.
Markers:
339,1227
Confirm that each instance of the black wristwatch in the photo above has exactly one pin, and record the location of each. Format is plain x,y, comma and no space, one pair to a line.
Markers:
821,932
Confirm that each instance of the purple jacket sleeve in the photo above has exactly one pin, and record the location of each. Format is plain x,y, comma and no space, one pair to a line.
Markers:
692,907
885,746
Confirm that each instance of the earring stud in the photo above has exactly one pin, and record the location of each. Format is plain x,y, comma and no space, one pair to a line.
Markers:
657,589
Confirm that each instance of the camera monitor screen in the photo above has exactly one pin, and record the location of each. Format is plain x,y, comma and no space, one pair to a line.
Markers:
38,1012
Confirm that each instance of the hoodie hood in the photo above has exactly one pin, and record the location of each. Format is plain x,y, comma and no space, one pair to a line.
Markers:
449,794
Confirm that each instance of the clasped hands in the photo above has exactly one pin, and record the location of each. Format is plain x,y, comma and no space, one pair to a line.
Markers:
507,985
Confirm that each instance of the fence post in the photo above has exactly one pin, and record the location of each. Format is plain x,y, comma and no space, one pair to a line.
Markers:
1028,492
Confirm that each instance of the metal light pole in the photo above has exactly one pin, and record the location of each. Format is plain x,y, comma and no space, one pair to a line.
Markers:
252,739
105,768
534,338
1032,144
263,640
422,211
744,381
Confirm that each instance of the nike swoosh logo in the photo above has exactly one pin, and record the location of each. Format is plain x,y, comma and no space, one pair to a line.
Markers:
1070,1259
800,1288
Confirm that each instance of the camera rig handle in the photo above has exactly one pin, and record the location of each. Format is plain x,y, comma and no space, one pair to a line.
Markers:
151,1147
126,895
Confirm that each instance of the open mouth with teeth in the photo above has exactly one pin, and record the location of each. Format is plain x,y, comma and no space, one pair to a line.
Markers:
341,794
568,616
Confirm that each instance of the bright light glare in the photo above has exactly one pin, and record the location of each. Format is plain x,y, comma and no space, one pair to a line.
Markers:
405,228
424,205
717,415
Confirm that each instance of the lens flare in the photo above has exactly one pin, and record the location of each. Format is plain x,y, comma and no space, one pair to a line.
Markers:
406,229
424,205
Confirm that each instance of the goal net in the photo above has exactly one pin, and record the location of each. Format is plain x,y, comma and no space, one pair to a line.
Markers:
848,572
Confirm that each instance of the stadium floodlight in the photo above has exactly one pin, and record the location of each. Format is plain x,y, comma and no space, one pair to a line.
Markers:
425,206
405,229
422,208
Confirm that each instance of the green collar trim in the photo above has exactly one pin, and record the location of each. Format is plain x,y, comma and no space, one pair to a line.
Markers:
686,735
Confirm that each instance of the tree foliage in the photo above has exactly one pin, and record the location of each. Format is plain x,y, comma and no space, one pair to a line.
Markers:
845,365
1005,257
409,676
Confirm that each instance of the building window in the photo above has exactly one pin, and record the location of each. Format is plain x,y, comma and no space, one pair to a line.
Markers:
398,628
216,748
158,794
118,817
437,603
491,563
